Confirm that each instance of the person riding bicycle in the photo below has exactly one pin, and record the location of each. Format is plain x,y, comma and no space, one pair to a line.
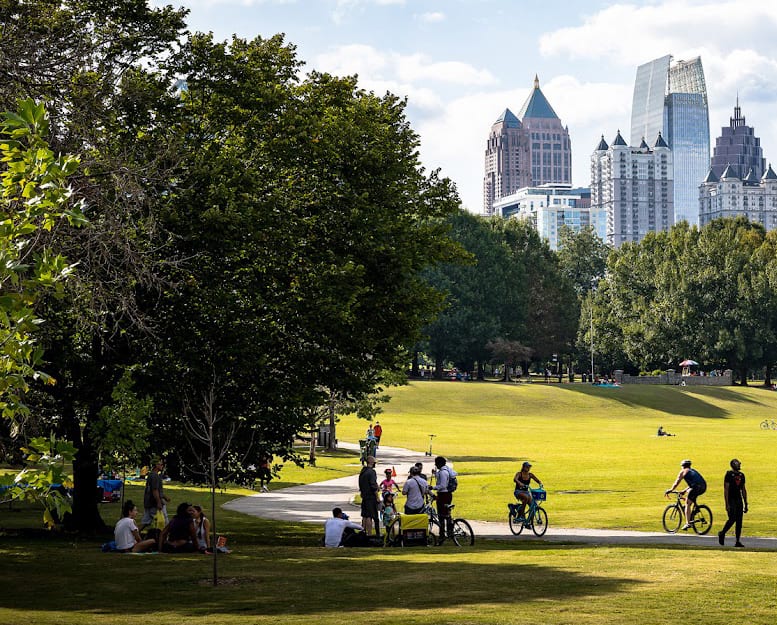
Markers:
522,481
696,486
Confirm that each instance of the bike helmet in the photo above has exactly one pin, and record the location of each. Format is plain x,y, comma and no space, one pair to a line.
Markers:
685,463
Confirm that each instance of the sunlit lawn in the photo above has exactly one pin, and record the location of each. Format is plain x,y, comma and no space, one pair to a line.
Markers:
601,441
594,448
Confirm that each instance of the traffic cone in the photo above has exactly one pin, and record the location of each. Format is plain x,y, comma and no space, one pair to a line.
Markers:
393,472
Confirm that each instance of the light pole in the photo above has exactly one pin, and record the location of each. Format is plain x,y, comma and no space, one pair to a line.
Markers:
592,340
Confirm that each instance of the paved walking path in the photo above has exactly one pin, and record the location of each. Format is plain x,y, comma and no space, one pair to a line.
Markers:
313,503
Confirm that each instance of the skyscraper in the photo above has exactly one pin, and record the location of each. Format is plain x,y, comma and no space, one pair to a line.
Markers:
738,146
672,99
633,187
527,150
549,147
507,160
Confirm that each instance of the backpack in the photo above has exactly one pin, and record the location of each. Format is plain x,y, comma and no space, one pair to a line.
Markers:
453,480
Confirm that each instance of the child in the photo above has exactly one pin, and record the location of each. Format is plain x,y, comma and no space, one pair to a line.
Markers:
388,485
389,510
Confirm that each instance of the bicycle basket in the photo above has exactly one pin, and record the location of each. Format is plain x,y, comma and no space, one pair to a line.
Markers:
539,494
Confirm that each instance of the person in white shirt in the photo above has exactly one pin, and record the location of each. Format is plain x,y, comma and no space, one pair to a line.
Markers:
334,528
126,533
415,488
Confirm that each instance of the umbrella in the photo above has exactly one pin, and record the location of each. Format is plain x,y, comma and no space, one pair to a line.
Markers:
688,363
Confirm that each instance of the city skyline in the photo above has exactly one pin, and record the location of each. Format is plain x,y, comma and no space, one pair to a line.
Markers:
459,73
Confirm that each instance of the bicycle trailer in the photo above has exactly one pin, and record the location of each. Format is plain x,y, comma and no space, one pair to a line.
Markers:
413,530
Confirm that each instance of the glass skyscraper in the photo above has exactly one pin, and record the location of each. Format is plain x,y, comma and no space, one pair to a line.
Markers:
672,99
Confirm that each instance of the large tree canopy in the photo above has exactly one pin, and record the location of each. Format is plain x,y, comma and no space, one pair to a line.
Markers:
252,227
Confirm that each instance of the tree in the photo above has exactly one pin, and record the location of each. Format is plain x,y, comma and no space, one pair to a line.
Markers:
484,294
96,63
583,258
309,196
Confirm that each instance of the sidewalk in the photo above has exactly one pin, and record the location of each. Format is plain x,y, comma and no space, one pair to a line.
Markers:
313,503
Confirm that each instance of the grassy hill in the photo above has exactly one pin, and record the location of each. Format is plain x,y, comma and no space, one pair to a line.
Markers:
595,448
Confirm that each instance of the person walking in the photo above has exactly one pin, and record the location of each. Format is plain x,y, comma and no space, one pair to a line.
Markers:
735,497
696,486
154,498
378,432
368,489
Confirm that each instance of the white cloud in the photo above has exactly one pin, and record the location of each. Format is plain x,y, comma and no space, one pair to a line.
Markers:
630,34
373,64
344,7
432,17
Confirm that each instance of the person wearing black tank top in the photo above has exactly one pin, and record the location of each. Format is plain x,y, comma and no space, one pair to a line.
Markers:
522,481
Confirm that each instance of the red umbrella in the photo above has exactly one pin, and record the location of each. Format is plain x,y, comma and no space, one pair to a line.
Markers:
688,363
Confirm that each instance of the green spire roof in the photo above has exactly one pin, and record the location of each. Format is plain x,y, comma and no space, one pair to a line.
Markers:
537,105
509,119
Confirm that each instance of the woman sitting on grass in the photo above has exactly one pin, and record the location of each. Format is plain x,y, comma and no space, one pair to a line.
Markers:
202,527
126,533
179,535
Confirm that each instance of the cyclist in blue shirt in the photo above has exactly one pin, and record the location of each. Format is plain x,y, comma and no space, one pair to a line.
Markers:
696,486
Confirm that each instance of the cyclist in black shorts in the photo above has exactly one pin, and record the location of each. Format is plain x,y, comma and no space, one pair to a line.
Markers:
696,486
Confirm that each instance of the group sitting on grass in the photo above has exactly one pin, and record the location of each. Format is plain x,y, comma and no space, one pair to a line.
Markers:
187,532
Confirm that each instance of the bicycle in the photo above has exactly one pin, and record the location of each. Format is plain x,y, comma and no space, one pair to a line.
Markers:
674,515
536,519
768,424
462,530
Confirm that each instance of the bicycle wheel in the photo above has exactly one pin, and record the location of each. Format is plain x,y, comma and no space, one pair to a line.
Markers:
462,533
516,526
393,536
701,520
673,518
540,522
764,425
433,536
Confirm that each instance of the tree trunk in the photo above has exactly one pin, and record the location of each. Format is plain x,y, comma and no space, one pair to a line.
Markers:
438,368
86,512
414,370
332,423
743,376
312,456
768,375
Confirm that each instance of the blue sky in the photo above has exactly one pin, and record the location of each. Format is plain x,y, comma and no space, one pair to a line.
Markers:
460,63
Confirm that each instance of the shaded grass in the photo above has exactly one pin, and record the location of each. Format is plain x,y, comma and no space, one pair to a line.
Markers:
494,582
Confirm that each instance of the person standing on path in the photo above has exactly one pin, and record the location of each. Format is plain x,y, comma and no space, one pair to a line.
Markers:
154,498
368,489
735,496
444,497
415,488
378,432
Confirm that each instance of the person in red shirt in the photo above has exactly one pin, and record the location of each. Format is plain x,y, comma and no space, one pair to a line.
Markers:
377,431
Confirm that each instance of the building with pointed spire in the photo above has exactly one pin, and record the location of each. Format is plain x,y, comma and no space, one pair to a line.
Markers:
728,195
633,187
671,98
527,150
738,147
508,165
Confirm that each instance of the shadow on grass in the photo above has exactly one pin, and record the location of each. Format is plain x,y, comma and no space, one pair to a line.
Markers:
290,581
670,399
481,458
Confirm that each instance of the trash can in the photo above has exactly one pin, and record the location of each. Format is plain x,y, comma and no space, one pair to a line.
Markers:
323,436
